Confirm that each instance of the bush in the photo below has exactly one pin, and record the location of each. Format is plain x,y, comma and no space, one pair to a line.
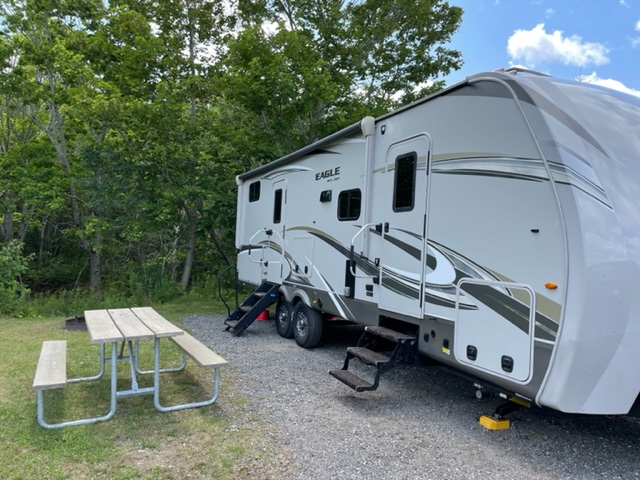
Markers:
153,284
12,292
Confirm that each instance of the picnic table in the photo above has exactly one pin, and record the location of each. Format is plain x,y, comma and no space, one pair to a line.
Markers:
125,327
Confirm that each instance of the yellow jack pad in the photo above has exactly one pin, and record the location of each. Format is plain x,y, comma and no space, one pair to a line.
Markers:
492,423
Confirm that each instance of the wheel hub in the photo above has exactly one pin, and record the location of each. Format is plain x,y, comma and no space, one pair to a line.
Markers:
301,324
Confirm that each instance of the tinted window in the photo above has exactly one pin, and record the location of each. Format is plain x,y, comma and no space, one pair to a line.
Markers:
254,192
277,206
349,203
405,182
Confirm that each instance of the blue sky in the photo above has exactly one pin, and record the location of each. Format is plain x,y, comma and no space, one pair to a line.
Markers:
598,40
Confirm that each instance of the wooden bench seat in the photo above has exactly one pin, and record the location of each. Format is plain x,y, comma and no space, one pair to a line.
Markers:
204,357
51,371
199,352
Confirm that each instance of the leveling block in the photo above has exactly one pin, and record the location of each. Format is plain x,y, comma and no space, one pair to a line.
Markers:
492,423
497,420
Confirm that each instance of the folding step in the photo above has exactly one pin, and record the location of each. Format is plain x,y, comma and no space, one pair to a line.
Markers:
389,334
351,380
374,352
259,300
368,356
231,323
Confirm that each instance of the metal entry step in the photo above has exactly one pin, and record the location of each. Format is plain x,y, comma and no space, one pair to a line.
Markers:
371,351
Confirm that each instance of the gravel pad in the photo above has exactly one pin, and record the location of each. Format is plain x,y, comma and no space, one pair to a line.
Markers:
420,424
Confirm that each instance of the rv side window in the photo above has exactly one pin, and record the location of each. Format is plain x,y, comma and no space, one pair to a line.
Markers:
254,191
349,203
277,206
404,183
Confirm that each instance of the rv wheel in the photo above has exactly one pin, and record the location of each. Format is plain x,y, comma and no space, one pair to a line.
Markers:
284,322
307,326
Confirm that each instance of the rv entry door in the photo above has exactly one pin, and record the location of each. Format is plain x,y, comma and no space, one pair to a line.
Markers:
275,253
404,227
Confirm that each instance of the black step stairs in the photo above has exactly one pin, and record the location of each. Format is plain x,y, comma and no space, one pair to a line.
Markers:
259,300
374,349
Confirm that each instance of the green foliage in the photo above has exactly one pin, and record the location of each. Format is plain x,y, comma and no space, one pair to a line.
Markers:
153,284
12,292
400,45
324,64
124,123
70,303
56,272
283,78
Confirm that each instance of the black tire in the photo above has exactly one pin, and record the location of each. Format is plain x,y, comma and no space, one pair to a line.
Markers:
307,326
284,318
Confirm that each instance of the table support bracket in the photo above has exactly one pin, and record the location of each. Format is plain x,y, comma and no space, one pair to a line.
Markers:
100,373
162,370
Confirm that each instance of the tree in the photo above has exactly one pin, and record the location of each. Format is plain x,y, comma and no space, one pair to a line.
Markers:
124,123
12,265
309,67
50,71
193,33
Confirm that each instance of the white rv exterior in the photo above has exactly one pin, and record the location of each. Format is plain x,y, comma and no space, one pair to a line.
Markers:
499,217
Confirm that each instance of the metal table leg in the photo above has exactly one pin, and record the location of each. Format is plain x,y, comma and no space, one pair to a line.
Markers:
85,421
156,382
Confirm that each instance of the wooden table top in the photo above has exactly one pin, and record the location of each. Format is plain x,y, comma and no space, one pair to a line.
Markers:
119,324
159,325
101,327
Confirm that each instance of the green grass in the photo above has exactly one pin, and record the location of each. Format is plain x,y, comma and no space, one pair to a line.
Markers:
220,441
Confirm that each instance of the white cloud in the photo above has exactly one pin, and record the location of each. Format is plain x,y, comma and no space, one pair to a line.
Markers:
397,96
537,46
548,12
624,3
270,28
527,67
594,79
635,41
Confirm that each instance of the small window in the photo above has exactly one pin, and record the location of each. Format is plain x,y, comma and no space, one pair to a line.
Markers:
405,183
277,206
254,192
349,203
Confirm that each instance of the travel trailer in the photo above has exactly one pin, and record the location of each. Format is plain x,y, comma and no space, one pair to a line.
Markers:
493,227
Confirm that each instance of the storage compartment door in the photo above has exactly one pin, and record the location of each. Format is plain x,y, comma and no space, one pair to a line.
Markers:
497,337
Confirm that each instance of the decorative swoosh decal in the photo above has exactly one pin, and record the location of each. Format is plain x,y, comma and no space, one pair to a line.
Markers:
285,171
500,300
525,169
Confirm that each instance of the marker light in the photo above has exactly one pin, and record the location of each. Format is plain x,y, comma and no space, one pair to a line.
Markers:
551,285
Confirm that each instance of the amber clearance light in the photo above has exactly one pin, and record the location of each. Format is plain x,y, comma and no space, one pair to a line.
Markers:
551,285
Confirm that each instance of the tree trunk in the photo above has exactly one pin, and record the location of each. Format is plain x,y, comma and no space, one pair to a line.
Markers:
96,266
191,249
55,132
22,226
7,226
216,243
43,232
